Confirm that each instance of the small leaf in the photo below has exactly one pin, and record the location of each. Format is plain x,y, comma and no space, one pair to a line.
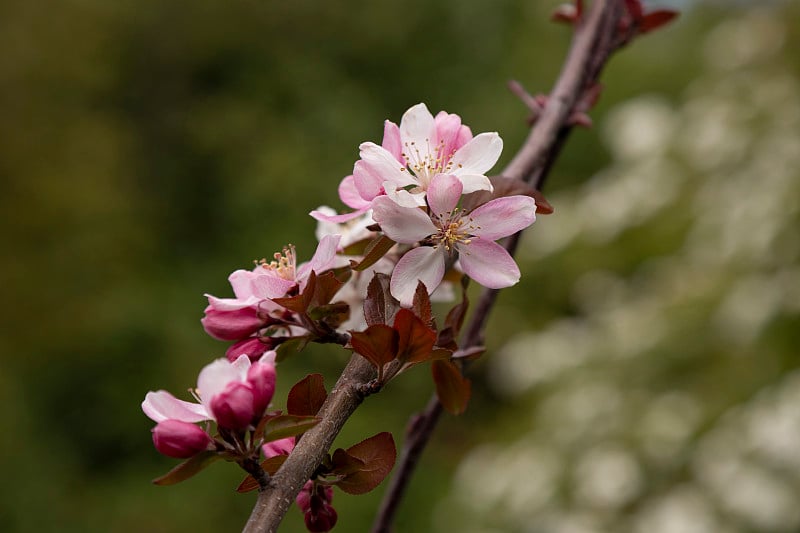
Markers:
307,396
377,344
188,468
343,464
656,19
374,251
378,454
415,338
422,303
358,247
270,466
291,347
380,306
452,388
280,427
325,288
300,303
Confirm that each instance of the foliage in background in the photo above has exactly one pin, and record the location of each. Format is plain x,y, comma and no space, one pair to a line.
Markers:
149,146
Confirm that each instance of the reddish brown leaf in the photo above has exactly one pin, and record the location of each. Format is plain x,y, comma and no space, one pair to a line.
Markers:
374,251
422,303
378,454
300,303
332,314
656,19
452,388
325,288
307,396
343,464
357,248
378,344
380,306
634,8
415,338
270,466
188,468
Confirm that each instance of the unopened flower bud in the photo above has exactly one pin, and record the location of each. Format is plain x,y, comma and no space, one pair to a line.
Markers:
231,325
278,447
253,347
233,407
315,502
179,439
261,378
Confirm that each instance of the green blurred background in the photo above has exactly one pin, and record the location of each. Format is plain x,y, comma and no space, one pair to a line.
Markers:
642,377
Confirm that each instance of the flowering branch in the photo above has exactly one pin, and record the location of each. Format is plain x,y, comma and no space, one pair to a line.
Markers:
425,216
595,40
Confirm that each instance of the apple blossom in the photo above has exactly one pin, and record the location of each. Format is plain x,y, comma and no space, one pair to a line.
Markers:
231,393
449,231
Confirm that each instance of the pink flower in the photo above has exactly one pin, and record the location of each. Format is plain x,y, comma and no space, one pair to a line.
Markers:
430,146
232,394
448,231
410,156
278,447
179,439
232,325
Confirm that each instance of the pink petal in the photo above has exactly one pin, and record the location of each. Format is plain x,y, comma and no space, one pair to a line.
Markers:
488,263
278,447
478,155
161,405
417,126
444,192
402,224
450,134
323,257
181,440
425,264
240,280
391,141
375,167
322,216
266,284
348,193
230,304
503,217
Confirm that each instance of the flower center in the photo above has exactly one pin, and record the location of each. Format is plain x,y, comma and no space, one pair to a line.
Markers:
453,229
427,162
283,264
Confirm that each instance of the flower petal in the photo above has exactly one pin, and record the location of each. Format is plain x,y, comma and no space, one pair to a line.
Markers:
161,405
475,182
503,216
214,377
444,193
404,198
391,141
488,263
407,225
348,193
478,155
425,264
376,166
417,127
328,215
323,258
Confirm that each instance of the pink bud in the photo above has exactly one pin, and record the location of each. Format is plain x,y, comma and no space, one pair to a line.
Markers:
233,407
278,447
179,439
231,325
253,347
315,502
261,378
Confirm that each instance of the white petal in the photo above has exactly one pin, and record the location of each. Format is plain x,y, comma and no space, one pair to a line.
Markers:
473,182
161,405
407,225
425,264
488,263
404,198
213,379
478,155
503,216
417,126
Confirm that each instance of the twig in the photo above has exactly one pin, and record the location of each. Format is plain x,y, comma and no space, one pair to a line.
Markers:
594,42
